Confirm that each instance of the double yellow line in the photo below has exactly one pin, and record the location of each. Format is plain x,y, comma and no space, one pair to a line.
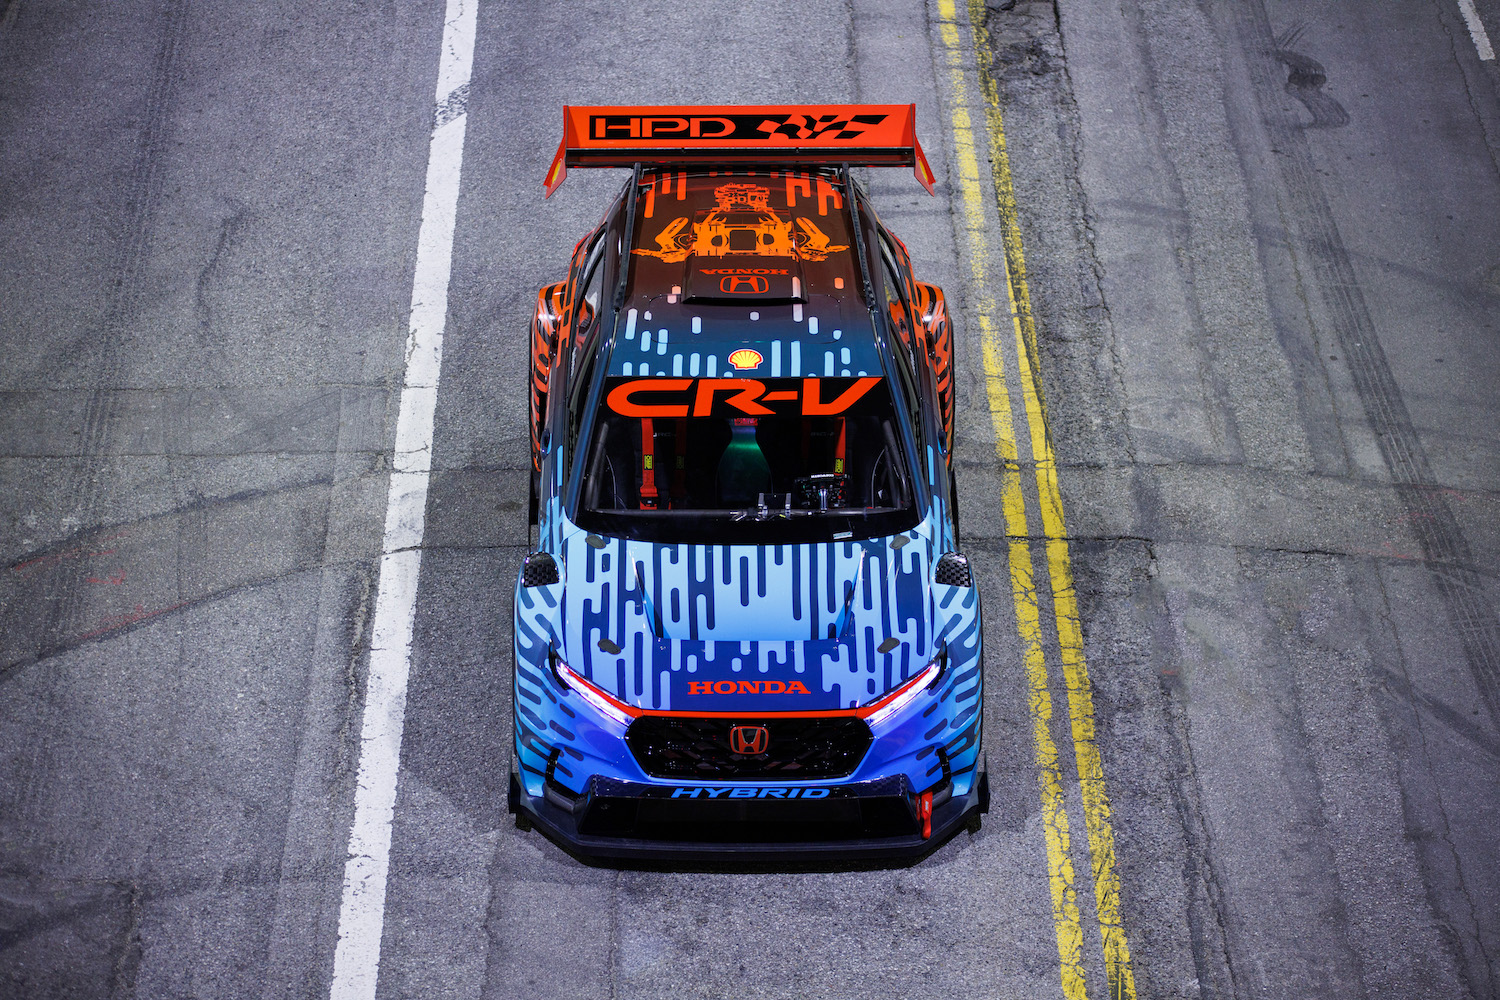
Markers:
1096,808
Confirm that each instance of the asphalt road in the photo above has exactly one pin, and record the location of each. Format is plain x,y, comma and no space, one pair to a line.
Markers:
1262,242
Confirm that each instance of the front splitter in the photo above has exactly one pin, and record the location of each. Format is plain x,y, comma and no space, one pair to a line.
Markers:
615,821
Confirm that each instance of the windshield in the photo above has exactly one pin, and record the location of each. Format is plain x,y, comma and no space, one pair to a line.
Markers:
747,461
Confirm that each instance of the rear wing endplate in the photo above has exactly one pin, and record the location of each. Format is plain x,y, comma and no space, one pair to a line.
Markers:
861,135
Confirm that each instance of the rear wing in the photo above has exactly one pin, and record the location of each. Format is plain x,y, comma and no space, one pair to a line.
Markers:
861,135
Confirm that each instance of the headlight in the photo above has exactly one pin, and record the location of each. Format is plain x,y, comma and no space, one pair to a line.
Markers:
606,704
890,704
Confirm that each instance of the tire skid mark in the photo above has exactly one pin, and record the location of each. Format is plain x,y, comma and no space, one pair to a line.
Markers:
160,564
35,563
188,423
115,579
1449,558
140,614
122,624
45,903
143,193
1305,79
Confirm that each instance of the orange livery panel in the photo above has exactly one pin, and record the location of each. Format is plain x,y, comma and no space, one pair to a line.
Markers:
865,135
552,315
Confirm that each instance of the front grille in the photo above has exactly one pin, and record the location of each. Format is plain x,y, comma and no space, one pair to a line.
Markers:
675,747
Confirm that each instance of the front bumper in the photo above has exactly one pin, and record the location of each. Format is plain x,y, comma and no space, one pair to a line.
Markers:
616,820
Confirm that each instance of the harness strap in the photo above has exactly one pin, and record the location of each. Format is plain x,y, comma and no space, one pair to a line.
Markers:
648,464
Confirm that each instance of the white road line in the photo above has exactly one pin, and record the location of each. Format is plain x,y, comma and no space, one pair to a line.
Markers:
1476,30
356,961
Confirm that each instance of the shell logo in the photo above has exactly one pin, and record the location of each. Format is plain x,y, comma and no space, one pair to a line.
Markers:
745,358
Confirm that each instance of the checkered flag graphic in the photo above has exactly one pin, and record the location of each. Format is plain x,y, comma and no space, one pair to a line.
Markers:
808,127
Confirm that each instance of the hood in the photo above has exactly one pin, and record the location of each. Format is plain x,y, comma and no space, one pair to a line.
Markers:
778,627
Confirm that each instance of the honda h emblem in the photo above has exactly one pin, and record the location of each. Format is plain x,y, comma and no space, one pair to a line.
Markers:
749,739
744,284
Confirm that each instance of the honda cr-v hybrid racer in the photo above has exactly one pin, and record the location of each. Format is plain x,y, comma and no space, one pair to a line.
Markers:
746,625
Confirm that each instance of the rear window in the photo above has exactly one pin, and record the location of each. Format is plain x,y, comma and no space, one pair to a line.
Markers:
746,461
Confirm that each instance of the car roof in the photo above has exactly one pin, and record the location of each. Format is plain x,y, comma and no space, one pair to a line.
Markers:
728,262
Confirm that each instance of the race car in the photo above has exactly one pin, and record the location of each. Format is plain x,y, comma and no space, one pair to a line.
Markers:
747,626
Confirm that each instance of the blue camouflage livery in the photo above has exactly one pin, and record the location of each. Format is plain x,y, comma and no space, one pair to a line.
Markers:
599,621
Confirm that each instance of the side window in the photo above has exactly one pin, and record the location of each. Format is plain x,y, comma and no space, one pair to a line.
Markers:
586,337
892,283
902,322
895,288
898,306
593,285
583,373
590,294
907,378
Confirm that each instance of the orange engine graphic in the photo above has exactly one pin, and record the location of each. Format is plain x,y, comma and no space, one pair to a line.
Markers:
742,224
